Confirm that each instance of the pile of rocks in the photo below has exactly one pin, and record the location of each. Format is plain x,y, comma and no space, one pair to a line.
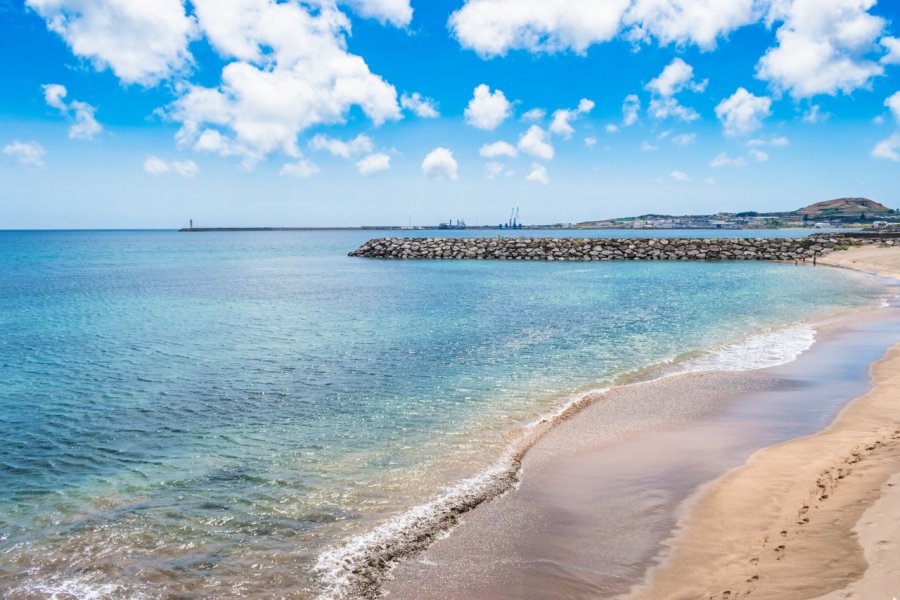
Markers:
583,249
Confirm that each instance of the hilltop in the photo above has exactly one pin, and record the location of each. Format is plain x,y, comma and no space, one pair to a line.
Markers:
844,208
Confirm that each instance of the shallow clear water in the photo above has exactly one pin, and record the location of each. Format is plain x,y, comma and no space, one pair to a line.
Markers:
204,414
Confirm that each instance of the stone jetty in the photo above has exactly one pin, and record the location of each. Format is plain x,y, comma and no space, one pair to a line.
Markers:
591,249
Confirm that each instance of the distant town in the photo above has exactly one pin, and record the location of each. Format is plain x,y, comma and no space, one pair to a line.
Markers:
855,213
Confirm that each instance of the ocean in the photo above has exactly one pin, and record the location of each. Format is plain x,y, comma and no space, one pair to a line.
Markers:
218,414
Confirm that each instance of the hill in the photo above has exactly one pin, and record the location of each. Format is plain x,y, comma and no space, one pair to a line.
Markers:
844,208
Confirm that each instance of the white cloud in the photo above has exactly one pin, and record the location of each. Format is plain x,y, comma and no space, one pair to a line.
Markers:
723,160
675,77
535,114
534,142
26,154
681,22
893,103
631,107
425,108
53,96
892,45
498,149
302,168
157,166
290,71
680,176
141,42
780,141
648,147
822,47
709,181
612,128
743,112
815,115
538,174
664,108
395,12
758,155
888,149
684,139
374,163
562,118
361,144
494,169
590,142
487,110
493,27
85,126
440,164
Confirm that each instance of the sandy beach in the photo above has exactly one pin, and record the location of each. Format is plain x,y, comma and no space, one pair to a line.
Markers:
815,517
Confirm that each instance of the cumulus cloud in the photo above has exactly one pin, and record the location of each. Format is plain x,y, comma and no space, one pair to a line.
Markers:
84,125
534,142
562,118
289,71
631,108
758,155
611,128
157,166
888,149
892,45
538,174
822,47
493,27
440,164
676,76
648,147
665,108
723,160
141,42
374,163
498,149
679,176
684,139
700,22
590,142
395,12
814,114
493,169
420,106
302,168
345,149
743,112
893,103
487,110
26,154
535,114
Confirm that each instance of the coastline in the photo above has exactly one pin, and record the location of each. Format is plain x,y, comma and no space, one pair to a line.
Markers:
814,517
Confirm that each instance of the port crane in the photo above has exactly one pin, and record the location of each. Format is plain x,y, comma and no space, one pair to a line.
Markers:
513,220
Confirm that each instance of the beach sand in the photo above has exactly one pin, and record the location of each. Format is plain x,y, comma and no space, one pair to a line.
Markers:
816,517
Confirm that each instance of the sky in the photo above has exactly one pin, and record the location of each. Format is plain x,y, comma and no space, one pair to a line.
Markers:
136,114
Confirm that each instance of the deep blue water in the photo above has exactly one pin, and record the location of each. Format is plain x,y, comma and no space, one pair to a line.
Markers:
205,413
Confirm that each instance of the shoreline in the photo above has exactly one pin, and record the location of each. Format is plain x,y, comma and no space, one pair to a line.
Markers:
814,517
371,560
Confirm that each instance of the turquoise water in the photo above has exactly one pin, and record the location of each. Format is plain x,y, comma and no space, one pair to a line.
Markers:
204,414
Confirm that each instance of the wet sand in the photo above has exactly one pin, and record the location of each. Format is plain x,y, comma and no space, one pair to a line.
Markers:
814,517
602,491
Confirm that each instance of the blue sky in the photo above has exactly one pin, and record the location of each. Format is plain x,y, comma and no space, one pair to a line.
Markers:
124,113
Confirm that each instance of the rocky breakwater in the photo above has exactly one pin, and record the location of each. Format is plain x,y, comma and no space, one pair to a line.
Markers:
589,249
